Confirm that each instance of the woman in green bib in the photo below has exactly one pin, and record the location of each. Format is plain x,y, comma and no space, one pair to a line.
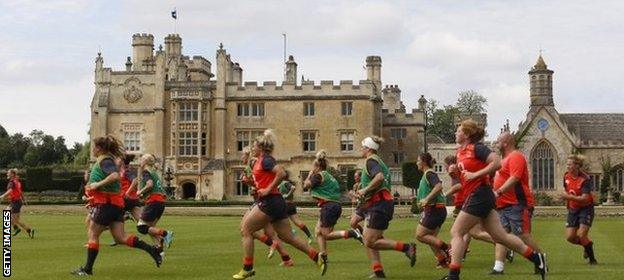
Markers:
107,202
379,205
150,188
326,190
430,198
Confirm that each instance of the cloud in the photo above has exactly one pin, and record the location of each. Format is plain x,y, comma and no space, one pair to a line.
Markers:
448,50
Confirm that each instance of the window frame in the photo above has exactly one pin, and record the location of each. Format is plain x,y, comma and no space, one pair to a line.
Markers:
310,142
346,108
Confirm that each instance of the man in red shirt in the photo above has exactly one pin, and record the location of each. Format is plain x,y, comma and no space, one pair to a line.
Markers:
14,192
514,199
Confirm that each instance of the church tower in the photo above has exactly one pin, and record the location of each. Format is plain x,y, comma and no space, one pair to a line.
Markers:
541,84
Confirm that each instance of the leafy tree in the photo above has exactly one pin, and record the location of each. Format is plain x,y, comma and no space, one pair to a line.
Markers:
411,175
441,121
471,103
3,132
83,155
6,152
19,145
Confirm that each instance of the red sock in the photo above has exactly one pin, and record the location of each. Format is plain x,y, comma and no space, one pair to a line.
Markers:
130,241
93,245
400,246
377,266
248,261
584,241
345,234
263,238
454,269
312,254
528,252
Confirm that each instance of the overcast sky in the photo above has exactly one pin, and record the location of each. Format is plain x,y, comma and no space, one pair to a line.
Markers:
434,48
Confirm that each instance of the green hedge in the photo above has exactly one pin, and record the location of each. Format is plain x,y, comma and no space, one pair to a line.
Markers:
40,179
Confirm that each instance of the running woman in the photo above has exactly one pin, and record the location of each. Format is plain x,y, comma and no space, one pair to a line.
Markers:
269,237
475,162
379,205
127,178
359,213
456,189
107,201
151,188
270,209
326,190
514,199
431,199
580,203
287,189
16,199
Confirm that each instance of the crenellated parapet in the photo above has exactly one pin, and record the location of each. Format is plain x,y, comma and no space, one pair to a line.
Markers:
324,87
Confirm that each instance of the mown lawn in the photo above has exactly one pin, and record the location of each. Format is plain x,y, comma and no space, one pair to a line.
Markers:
209,248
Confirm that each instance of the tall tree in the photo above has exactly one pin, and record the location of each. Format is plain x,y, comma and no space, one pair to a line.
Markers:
441,121
3,132
19,145
471,103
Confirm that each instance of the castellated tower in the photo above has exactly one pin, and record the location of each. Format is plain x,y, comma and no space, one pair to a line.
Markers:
290,73
392,98
142,50
541,84
173,45
373,71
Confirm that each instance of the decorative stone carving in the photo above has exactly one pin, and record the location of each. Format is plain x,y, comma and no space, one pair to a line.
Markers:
133,92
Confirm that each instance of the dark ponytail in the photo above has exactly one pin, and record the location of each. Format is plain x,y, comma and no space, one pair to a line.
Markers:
110,145
427,159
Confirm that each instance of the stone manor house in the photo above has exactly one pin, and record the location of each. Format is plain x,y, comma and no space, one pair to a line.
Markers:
197,120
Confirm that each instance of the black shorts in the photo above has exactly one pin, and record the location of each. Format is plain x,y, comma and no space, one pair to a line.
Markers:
516,218
274,206
360,211
379,215
330,212
480,202
106,214
584,215
291,209
433,217
16,206
152,211
130,204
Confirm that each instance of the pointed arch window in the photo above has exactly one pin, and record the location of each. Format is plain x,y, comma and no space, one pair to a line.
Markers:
543,167
618,178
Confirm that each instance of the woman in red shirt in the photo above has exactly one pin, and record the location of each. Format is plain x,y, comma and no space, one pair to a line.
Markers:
14,192
580,202
270,208
475,161
107,204
269,237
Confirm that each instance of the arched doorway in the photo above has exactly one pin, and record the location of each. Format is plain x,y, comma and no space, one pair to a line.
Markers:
188,190
543,166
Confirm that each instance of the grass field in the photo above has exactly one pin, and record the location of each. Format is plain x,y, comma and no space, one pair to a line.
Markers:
209,248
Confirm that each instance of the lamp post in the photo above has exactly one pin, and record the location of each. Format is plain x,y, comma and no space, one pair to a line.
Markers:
168,178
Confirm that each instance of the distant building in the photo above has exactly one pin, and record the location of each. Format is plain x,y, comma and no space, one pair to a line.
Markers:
196,121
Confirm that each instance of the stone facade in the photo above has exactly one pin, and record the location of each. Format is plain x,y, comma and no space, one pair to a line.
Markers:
196,121
548,137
